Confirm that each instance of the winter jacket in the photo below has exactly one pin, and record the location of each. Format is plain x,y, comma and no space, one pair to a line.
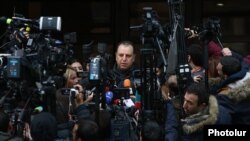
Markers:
237,101
191,127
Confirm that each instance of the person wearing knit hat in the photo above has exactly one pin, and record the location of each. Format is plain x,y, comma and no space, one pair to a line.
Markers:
214,49
214,55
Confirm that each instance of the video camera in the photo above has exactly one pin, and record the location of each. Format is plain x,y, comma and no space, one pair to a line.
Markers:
151,27
36,59
211,27
73,92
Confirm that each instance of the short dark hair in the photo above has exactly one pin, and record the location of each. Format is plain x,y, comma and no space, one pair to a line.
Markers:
4,121
104,124
44,127
127,43
230,65
87,130
151,131
199,89
196,54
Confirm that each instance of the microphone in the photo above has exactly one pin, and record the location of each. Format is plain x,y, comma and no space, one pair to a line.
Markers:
109,97
38,109
127,84
6,20
137,100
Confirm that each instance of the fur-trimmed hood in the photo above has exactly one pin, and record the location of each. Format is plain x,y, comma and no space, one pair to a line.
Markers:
240,93
208,116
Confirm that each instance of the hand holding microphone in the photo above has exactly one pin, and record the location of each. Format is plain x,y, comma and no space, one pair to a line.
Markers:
127,84
79,94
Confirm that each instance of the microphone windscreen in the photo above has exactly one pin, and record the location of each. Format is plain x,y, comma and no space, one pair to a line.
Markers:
126,83
109,97
138,105
38,109
137,96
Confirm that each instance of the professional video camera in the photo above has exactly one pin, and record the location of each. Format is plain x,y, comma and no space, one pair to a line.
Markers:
151,27
45,55
31,56
209,29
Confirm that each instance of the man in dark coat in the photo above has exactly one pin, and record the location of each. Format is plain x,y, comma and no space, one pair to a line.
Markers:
125,63
200,109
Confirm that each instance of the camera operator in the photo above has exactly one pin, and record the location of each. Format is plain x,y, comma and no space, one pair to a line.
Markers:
70,101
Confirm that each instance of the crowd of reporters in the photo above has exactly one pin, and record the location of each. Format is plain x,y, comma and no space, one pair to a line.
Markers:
79,108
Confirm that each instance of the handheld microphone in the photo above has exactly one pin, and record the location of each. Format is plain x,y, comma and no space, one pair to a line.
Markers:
127,84
38,109
6,20
137,100
109,97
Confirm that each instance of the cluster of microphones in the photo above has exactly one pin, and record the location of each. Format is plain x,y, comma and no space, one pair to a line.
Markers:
123,96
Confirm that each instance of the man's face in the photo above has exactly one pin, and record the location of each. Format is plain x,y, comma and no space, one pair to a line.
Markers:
125,57
190,104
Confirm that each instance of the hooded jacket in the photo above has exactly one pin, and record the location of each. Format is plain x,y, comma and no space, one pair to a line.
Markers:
192,126
214,114
237,101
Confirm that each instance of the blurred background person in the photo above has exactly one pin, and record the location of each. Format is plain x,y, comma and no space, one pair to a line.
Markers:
6,128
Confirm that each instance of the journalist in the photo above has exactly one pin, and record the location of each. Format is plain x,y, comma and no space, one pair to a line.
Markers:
70,103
